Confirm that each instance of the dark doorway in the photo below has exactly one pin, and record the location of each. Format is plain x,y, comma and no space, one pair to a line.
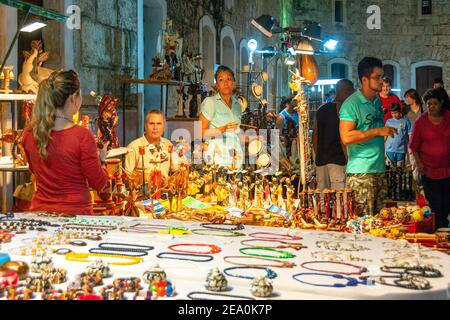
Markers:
425,77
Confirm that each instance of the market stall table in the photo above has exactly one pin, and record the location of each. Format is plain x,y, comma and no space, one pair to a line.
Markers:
189,276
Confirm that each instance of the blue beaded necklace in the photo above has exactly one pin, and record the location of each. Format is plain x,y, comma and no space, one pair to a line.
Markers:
351,282
270,274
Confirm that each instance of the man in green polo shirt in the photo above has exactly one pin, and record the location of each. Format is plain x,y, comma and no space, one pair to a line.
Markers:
363,131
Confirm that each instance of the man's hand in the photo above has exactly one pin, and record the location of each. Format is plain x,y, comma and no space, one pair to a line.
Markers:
387,132
232,127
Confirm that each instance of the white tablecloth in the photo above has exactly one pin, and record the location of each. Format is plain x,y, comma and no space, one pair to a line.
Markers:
190,276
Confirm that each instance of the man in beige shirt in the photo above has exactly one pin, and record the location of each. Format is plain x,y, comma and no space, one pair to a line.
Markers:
157,149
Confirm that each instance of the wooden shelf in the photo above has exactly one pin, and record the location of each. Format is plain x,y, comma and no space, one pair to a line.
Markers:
16,97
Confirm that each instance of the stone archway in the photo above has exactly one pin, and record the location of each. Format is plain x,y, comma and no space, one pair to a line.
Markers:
208,48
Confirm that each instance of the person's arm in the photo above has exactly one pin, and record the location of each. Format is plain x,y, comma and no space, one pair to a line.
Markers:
91,163
315,138
215,132
350,135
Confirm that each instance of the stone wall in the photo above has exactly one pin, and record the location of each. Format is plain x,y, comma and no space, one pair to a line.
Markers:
404,37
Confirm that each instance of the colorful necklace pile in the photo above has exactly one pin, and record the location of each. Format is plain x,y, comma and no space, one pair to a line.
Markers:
343,263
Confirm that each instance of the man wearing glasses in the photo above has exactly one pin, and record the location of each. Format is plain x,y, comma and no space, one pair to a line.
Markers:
362,131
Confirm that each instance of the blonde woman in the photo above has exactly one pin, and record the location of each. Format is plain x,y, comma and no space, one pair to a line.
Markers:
63,157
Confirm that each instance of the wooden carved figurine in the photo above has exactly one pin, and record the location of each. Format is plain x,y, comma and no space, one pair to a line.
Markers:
107,122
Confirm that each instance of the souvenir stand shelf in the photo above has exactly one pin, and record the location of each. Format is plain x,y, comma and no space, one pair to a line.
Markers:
12,100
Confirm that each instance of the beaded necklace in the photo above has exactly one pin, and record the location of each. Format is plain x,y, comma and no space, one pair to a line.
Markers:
359,270
213,248
351,282
185,257
274,236
275,264
217,233
283,244
282,254
270,274
227,227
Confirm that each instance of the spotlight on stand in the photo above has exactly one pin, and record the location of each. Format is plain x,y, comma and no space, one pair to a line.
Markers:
252,45
266,24
290,61
330,44
33,26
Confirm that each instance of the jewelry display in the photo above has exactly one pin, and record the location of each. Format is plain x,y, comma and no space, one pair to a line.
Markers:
216,281
40,262
23,225
155,273
283,244
218,296
56,295
217,233
340,246
261,287
112,293
426,271
54,275
84,257
21,268
163,288
359,270
5,237
228,227
19,292
274,236
38,284
99,266
62,251
351,282
4,258
127,284
96,221
401,280
213,248
337,257
32,251
130,250
91,279
282,254
270,274
186,257
144,228
8,278
275,264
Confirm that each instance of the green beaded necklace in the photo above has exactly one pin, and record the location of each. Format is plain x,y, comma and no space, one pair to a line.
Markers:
283,254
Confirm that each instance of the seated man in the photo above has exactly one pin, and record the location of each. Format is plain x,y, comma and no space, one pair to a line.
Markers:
157,150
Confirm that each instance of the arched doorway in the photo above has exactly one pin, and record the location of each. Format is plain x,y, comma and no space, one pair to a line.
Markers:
208,49
424,73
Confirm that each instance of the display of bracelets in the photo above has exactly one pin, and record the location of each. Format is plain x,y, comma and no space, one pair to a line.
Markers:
27,251
41,262
99,266
22,225
54,275
340,246
128,284
56,295
96,221
223,226
344,237
91,279
19,292
38,284
406,261
337,257
112,293
5,237
131,250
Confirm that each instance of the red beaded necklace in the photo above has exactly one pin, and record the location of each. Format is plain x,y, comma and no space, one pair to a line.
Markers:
213,248
274,236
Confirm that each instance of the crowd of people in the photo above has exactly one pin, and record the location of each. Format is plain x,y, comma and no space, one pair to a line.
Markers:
357,134
378,130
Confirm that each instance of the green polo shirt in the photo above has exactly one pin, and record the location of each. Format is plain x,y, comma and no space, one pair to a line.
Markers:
367,157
